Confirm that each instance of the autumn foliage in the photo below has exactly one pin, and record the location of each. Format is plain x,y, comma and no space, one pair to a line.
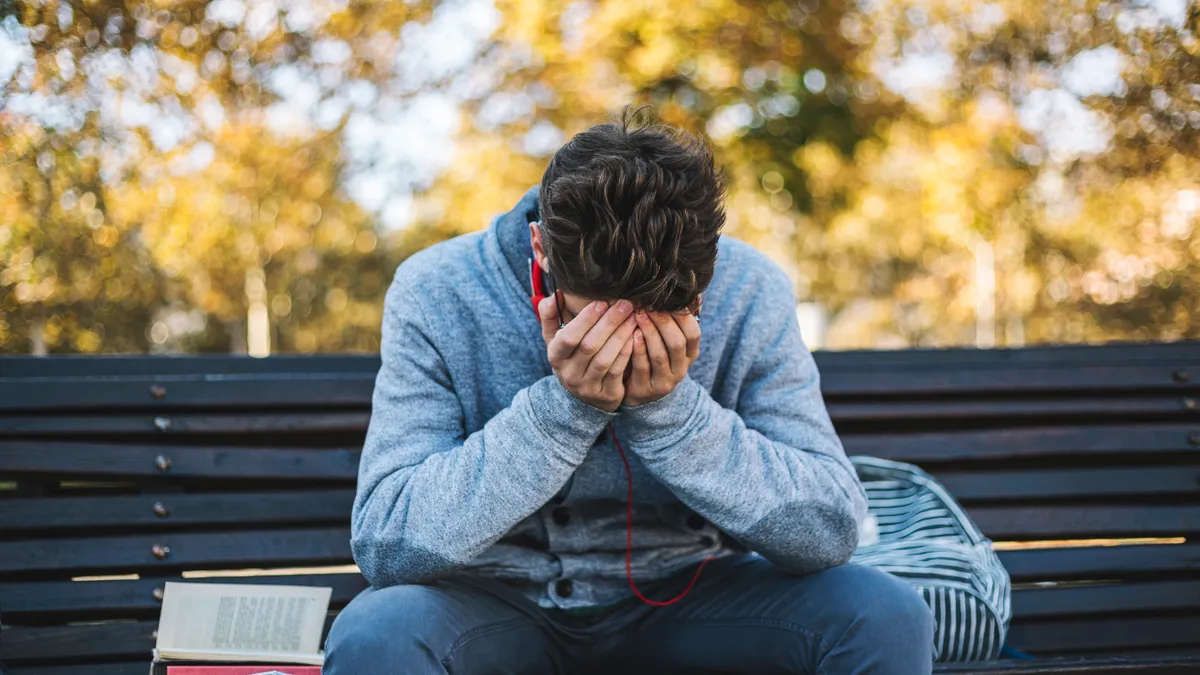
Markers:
929,172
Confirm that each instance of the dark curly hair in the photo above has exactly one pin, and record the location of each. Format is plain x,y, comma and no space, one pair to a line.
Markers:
633,210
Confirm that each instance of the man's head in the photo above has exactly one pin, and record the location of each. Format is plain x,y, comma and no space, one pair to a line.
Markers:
631,211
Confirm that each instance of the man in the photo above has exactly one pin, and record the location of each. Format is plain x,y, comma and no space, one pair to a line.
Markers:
491,516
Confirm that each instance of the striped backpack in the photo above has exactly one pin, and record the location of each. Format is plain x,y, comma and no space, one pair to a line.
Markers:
915,530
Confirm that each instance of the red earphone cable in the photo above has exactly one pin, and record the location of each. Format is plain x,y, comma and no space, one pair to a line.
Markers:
629,535
537,284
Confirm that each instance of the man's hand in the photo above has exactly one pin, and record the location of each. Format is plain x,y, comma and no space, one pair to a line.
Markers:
589,355
664,347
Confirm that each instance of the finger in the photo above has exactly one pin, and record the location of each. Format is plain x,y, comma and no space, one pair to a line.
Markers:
604,360
614,381
674,340
640,373
656,351
691,332
603,329
567,340
548,313
618,367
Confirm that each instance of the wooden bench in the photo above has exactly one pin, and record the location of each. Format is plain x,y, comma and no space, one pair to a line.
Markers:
139,470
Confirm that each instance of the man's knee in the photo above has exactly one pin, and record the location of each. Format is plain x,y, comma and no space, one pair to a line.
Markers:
387,628
882,610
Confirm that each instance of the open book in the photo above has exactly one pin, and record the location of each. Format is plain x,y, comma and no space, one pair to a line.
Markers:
242,623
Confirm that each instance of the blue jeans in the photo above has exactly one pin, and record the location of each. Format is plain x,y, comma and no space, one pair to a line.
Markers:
743,616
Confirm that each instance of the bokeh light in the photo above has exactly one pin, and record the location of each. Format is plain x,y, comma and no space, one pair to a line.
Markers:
234,175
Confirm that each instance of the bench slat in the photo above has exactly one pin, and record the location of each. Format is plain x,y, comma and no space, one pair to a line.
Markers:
182,392
920,358
248,508
115,459
134,640
207,550
101,641
1154,596
1143,665
1175,664
844,413
125,668
331,546
1065,484
1120,353
1066,636
353,389
76,367
925,412
1056,522
112,459
134,598
995,381
1101,562
184,424
1026,443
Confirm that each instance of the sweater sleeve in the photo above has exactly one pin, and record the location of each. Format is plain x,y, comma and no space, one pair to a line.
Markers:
771,473
430,497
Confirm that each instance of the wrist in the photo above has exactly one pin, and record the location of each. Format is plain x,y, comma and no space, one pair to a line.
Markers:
653,424
564,417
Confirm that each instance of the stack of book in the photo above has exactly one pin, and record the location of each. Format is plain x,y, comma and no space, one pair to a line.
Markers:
240,629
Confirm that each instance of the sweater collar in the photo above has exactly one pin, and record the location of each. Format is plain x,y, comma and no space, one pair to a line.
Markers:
512,233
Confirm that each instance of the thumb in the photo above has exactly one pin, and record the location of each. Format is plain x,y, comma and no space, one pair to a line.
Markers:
548,313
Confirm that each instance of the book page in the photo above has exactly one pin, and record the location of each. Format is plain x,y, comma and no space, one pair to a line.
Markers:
241,619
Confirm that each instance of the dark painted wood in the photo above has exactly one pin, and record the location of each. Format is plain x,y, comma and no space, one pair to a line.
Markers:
68,366
233,404
1102,562
1042,380
1152,596
88,643
1142,665
176,425
1081,522
1076,635
1072,442
141,513
1119,353
1052,355
1028,486
1004,411
94,460
110,641
1095,665
149,423
278,387
124,668
134,598
205,550
308,507
341,390
237,391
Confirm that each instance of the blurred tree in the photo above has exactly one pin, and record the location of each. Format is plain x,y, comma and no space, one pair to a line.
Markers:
151,186
70,279
932,172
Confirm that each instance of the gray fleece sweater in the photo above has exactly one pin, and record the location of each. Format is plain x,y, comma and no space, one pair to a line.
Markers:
478,461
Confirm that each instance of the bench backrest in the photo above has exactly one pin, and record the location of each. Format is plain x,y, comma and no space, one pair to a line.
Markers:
140,470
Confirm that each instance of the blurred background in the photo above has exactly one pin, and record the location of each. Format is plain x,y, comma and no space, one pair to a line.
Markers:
245,175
